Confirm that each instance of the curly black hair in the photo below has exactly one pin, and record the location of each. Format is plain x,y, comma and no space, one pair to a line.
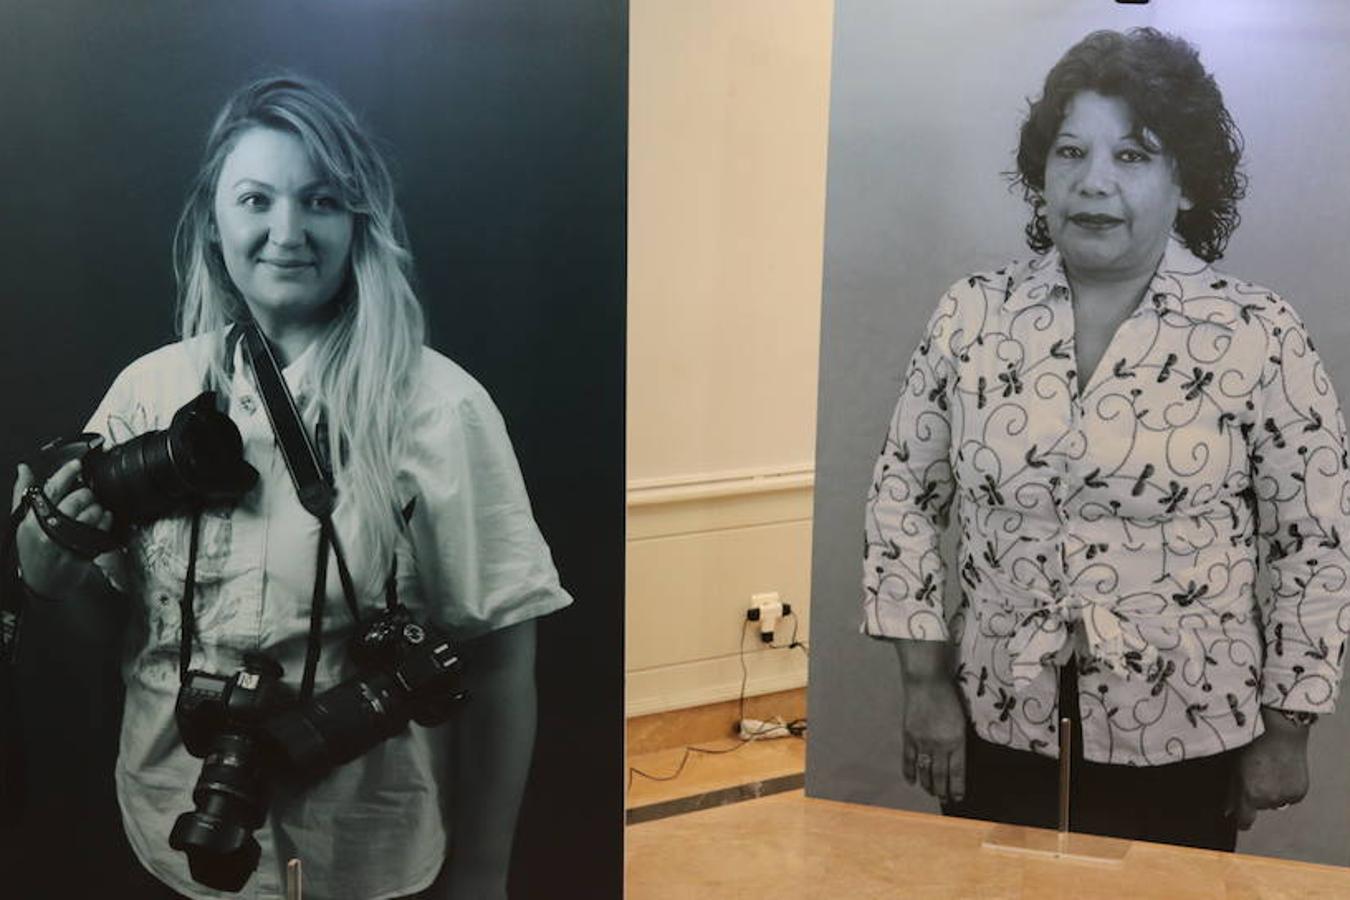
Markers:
1170,95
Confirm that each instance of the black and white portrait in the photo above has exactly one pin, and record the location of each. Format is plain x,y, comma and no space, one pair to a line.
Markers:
335,292
1081,358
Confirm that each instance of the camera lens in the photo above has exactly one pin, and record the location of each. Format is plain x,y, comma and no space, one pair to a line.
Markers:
340,724
200,456
131,478
345,721
231,802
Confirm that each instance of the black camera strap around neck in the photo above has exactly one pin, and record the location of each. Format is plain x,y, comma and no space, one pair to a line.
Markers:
312,475
313,483
311,472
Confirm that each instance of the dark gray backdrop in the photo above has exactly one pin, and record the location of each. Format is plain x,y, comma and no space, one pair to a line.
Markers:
926,102
506,124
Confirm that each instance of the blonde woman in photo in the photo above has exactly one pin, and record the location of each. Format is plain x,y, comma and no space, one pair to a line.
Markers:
292,224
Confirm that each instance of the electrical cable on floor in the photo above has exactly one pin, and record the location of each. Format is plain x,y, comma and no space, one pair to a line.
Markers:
797,727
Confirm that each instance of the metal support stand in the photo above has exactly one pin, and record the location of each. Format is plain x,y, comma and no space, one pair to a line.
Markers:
294,888
1061,843
1065,781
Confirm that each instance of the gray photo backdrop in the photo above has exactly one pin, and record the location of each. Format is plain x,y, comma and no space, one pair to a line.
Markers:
927,100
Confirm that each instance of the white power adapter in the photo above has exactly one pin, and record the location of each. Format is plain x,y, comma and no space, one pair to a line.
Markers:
767,609
757,730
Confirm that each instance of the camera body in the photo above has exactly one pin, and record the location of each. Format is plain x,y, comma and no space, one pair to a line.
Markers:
220,718
248,728
406,670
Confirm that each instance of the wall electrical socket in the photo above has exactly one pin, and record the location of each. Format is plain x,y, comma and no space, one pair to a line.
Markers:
758,600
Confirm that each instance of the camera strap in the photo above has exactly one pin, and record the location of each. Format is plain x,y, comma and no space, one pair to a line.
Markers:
313,485
312,474
83,540
187,619
12,794
310,467
11,588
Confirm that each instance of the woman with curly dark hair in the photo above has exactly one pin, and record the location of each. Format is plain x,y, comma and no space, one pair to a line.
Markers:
1173,102
1152,474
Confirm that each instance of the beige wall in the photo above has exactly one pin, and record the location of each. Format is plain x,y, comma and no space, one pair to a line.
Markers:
728,125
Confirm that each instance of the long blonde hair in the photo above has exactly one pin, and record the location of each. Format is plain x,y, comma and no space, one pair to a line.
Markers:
365,358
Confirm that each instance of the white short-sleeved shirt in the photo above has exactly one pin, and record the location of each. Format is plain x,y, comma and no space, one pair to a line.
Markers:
473,561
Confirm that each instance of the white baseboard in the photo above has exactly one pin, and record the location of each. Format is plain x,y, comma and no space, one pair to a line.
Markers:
713,681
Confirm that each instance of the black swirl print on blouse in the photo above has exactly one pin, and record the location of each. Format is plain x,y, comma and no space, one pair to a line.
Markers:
1179,523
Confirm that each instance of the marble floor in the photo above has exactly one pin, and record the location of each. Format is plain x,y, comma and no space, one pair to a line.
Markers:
686,759
735,771
787,846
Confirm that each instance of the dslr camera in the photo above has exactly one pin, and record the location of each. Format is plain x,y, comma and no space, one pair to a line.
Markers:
248,728
197,461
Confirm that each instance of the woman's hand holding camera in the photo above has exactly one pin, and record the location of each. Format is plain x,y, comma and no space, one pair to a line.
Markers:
50,570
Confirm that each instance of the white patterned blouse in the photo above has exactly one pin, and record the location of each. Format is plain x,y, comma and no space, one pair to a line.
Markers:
1179,525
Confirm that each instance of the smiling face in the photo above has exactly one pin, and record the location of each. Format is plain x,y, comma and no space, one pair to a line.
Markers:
284,232
1111,194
